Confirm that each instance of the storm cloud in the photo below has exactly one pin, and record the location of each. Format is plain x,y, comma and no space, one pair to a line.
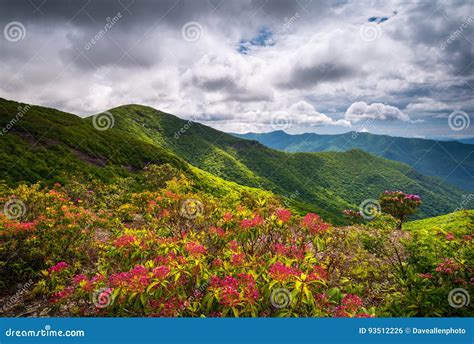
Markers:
235,65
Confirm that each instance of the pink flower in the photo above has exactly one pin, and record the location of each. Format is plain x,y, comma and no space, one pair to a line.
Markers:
60,295
227,217
314,223
281,272
161,272
284,215
426,275
450,236
195,249
351,302
125,240
58,267
447,266
257,220
238,258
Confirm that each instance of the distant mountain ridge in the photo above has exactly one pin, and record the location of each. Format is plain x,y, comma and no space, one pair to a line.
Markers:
451,161
48,144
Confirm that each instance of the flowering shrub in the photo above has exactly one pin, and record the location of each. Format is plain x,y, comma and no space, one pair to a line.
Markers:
138,255
399,204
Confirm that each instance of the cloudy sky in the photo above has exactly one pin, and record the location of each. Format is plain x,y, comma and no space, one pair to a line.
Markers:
401,68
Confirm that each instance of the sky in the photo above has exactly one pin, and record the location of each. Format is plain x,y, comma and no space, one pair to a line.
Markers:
402,68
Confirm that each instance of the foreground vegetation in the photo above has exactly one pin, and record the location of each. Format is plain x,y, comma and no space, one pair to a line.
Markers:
180,247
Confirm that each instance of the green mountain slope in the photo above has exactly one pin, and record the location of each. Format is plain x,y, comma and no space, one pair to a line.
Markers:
323,182
457,159
454,222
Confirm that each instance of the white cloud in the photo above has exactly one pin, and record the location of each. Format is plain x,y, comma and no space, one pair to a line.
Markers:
359,111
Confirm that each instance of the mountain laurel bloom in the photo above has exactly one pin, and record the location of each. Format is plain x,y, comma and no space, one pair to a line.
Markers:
58,267
257,220
314,223
281,272
284,215
447,266
195,249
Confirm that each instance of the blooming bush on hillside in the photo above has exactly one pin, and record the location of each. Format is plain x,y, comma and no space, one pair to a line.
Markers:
147,254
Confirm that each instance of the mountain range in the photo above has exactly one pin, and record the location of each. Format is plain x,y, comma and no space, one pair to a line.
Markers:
450,161
49,145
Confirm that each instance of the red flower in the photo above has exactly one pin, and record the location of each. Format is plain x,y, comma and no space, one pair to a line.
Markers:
125,240
58,267
195,249
238,258
314,223
427,275
227,217
450,236
66,292
447,266
281,272
284,215
257,220
351,302
161,272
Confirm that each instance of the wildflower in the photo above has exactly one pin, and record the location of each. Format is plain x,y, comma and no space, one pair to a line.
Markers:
237,258
314,223
426,275
161,272
257,220
125,240
58,267
195,249
449,236
60,295
318,273
284,215
79,278
351,302
447,266
135,280
281,272
227,217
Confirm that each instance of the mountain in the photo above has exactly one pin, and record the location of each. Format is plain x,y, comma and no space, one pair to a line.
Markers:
467,141
452,161
47,144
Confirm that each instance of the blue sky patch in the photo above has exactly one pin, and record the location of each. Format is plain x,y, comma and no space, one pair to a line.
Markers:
264,38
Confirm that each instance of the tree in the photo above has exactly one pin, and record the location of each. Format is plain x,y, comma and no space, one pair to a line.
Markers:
400,205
